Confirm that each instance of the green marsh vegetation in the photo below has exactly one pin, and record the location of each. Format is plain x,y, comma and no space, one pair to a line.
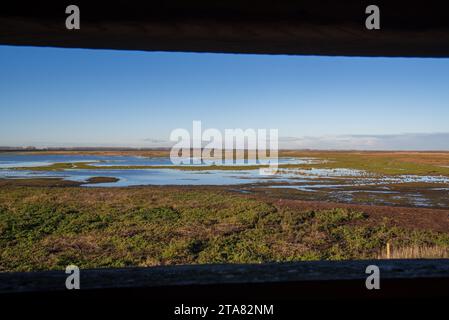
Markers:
48,228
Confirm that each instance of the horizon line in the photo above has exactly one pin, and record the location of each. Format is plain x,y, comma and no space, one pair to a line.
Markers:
100,148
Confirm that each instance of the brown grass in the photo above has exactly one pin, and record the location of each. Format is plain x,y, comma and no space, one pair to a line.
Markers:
415,252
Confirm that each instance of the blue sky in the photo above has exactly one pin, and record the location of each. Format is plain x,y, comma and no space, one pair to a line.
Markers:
77,97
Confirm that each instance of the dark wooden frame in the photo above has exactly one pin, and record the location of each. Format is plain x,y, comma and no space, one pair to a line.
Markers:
264,27
313,280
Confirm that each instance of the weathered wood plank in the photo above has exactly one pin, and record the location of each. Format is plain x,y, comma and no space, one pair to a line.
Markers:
187,275
287,27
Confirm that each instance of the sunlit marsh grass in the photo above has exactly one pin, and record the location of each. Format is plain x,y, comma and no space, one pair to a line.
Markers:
49,228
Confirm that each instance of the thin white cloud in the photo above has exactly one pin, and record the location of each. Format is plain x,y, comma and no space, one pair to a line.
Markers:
407,141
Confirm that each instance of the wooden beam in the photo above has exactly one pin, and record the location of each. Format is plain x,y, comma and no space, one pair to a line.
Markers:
300,280
288,27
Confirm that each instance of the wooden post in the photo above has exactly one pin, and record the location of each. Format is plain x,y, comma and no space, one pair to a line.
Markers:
388,250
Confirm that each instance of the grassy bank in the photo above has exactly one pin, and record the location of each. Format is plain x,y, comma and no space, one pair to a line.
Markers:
382,163
49,228
92,166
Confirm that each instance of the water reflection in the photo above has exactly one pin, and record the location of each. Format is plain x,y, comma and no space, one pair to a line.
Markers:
297,178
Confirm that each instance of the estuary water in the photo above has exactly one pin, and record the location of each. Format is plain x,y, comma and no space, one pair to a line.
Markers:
12,160
131,176
294,178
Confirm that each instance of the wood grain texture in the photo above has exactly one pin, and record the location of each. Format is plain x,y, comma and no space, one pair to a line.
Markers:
286,27
298,274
